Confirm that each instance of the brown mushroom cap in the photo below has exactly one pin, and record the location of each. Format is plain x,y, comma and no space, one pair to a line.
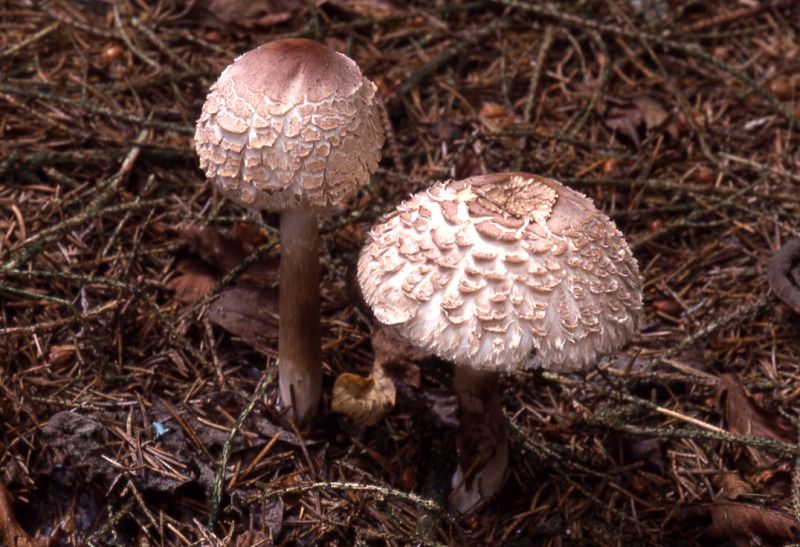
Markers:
290,124
485,270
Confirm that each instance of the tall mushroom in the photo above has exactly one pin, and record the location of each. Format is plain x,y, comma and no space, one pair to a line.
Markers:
484,272
294,127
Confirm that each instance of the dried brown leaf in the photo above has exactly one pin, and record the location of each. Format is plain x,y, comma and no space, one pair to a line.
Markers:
194,281
626,123
748,525
648,451
447,130
248,14
492,110
11,532
746,418
250,538
272,516
60,355
609,166
670,307
494,116
397,356
773,481
783,274
651,111
784,88
224,253
248,236
197,278
731,485
215,249
247,312
269,520
373,9
628,450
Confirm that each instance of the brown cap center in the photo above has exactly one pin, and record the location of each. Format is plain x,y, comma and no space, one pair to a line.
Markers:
292,70
520,197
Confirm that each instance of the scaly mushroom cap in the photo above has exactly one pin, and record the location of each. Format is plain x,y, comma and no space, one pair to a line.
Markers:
482,271
290,124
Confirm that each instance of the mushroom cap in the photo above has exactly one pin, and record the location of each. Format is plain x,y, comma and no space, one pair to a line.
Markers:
484,271
291,124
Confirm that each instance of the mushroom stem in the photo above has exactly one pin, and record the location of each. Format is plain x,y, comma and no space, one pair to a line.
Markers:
482,443
299,369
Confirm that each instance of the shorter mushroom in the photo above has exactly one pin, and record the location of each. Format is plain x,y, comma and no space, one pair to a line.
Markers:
364,400
367,400
483,272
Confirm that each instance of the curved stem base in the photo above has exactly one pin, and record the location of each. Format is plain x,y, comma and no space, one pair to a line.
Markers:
482,440
299,368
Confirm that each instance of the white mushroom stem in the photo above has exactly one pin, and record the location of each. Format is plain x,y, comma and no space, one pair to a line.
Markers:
299,368
482,441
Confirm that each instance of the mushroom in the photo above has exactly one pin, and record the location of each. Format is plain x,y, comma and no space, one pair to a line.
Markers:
364,400
486,271
292,127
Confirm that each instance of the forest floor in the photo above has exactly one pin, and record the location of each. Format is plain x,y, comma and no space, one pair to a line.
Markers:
133,363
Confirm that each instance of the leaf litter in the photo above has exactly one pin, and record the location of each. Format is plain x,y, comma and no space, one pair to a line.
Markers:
747,525
247,309
676,118
744,417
